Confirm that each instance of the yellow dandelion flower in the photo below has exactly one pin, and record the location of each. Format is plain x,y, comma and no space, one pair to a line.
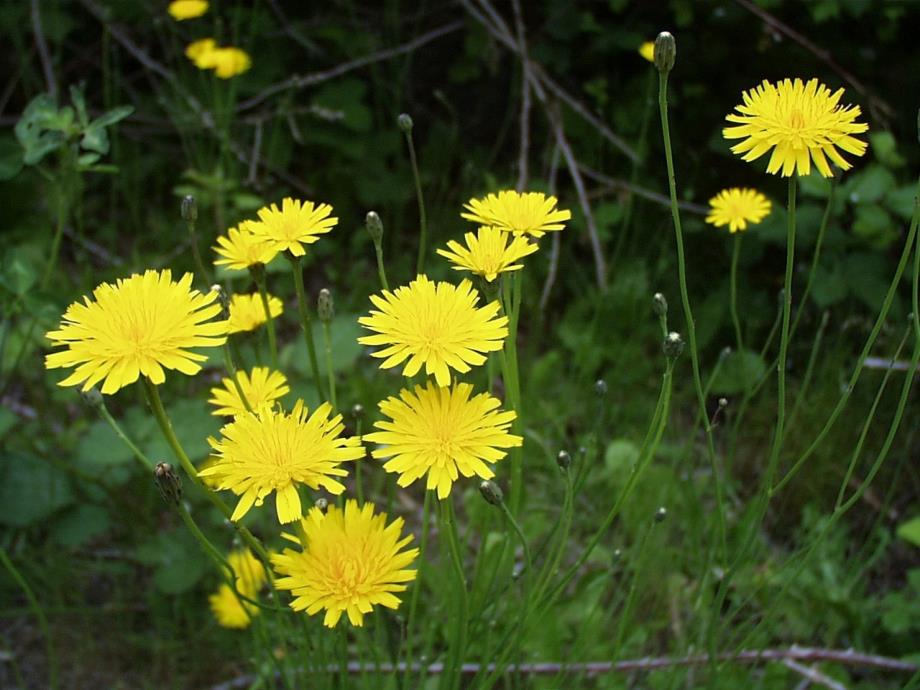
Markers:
800,123
240,249
530,213
294,225
247,312
442,433
181,10
248,570
226,62
262,387
137,327
488,252
229,610
272,451
212,480
197,50
737,207
647,50
351,561
437,325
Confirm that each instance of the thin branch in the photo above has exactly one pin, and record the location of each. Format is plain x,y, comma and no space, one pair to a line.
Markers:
301,81
524,146
645,193
42,46
556,246
845,657
813,675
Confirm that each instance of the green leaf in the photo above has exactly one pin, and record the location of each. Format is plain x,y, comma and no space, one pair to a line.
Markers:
10,157
96,140
111,117
830,285
102,453
344,334
620,456
874,225
870,185
738,372
30,490
80,524
177,560
900,201
885,149
910,531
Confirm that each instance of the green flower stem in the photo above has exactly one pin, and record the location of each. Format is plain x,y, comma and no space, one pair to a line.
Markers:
65,184
232,371
138,454
39,613
527,576
381,269
416,588
422,218
809,371
458,642
867,348
733,282
156,405
199,264
511,301
631,592
330,374
688,313
269,320
306,324
359,480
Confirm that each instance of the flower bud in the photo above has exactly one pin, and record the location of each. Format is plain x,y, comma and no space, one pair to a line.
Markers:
491,492
659,304
93,398
189,209
661,514
322,504
404,122
374,226
673,345
357,411
665,52
564,460
600,388
723,403
168,482
325,308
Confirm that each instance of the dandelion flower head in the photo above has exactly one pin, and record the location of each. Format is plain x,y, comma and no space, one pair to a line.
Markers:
229,610
737,207
528,213
197,50
442,433
247,312
181,10
800,123
647,50
294,225
260,387
241,249
435,325
137,327
351,561
271,451
226,62
488,252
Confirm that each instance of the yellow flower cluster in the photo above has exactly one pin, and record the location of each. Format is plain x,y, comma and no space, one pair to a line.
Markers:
228,608
226,61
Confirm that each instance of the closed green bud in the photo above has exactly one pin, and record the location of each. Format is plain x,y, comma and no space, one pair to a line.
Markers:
492,492
189,209
564,460
665,52
357,411
325,308
374,226
661,514
93,398
168,482
322,504
673,345
405,122
600,388
659,304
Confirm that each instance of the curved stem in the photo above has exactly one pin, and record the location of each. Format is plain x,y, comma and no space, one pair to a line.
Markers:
423,222
458,644
733,282
306,324
381,269
330,374
269,320
417,586
116,427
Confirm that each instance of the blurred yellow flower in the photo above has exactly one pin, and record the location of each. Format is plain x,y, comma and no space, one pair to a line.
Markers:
137,327
647,50
271,451
263,386
196,50
240,249
433,324
295,224
737,207
800,122
247,312
530,213
226,62
187,9
229,610
488,252
442,433
350,561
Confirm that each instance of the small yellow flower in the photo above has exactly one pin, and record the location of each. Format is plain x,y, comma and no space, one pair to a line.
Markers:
295,224
247,312
488,252
187,9
442,433
241,249
437,325
137,327
263,386
197,50
229,610
270,451
647,50
226,62
530,213
351,561
800,122
737,207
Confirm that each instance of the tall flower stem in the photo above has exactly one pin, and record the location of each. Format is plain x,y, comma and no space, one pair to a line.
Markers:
458,643
306,324
232,370
330,374
269,320
511,302
685,300
417,586
381,269
196,252
422,218
733,282
138,454
159,412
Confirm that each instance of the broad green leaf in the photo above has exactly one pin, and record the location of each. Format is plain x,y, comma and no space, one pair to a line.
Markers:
80,524
111,117
885,149
345,349
910,531
177,559
870,185
830,285
30,490
11,161
738,372
620,456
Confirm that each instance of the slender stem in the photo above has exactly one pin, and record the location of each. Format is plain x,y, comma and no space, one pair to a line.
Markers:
138,454
809,371
511,301
685,300
269,320
199,264
306,324
417,585
733,282
63,207
330,374
458,643
232,370
37,611
381,269
423,222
